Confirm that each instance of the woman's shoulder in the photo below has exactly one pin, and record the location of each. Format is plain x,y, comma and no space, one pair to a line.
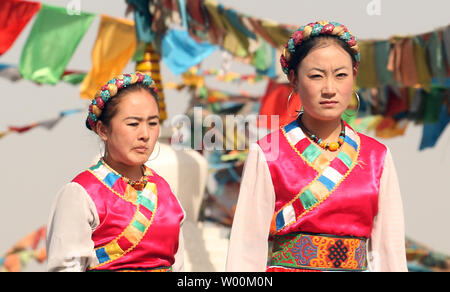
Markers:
267,140
70,192
81,175
368,142
156,178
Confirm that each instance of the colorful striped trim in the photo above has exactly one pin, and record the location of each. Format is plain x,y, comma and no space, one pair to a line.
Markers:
146,202
329,177
301,145
110,179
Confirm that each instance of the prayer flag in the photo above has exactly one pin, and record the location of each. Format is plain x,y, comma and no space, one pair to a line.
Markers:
14,16
181,52
143,20
367,73
52,41
113,49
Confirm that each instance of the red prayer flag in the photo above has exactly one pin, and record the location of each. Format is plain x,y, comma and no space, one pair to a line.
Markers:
275,102
21,130
14,16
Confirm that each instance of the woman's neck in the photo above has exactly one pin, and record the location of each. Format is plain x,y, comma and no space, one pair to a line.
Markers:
328,131
133,172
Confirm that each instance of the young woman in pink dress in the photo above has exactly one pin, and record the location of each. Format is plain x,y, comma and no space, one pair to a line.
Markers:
118,215
325,196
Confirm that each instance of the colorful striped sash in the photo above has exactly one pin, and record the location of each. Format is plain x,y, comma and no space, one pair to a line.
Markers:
329,176
318,252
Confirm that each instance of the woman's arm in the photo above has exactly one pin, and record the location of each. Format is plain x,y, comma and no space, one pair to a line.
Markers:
387,251
248,248
73,218
178,266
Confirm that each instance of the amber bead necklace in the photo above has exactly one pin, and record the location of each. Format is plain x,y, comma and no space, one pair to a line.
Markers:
328,146
138,185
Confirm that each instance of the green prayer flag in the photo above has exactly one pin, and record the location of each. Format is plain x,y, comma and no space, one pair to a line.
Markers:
436,57
433,104
52,41
262,58
75,78
382,50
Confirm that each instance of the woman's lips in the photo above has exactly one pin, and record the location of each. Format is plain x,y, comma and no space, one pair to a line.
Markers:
328,103
141,149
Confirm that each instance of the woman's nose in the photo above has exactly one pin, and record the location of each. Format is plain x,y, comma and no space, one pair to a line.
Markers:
144,134
329,90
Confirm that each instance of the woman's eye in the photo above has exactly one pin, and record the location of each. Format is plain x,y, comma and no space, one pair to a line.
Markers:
133,124
315,76
342,75
153,123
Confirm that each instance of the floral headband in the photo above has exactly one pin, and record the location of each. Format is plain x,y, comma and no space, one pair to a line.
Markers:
110,89
311,30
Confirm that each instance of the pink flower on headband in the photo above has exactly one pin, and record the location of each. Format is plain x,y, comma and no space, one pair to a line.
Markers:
283,61
328,29
352,42
298,37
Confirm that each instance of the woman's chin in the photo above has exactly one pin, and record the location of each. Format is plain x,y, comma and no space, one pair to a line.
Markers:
137,160
327,116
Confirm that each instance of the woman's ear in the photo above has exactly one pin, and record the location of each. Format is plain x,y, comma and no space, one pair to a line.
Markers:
292,78
102,131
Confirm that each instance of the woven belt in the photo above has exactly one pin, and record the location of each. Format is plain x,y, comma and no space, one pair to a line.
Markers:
319,252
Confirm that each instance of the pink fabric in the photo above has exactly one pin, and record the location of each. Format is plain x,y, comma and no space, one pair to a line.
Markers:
289,173
351,207
160,243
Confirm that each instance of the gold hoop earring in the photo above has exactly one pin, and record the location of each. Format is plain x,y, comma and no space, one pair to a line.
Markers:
287,109
357,108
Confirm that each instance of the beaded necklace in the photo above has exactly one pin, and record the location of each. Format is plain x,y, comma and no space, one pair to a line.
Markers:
138,185
328,146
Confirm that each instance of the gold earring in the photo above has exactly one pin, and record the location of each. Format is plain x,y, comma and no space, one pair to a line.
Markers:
288,101
159,150
357,108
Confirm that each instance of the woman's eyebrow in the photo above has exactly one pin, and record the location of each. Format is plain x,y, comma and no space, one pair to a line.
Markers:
141,119
317,69
133,118
323,71
342,67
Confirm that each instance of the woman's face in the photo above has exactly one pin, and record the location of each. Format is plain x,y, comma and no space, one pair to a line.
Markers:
133,131
324,81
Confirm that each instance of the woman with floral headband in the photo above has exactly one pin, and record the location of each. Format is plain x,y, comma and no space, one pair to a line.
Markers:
119,215
325,196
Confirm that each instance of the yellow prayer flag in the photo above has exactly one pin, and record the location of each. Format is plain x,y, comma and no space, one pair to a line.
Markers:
276,32
2,134
115,46
423,71
367,75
